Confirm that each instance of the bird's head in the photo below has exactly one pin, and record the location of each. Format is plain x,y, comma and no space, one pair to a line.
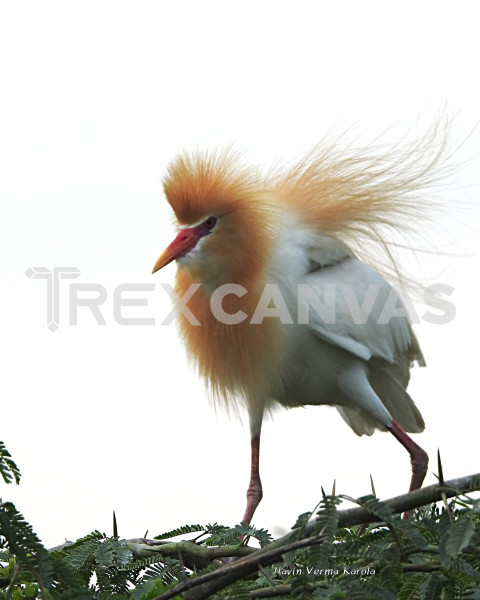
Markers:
221,216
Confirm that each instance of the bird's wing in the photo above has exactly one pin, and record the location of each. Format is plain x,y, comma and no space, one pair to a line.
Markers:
368,318
370,321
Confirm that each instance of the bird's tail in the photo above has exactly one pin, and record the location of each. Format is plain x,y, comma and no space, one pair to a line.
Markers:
396,400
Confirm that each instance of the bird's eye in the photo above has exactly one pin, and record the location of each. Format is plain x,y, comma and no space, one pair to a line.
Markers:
210,222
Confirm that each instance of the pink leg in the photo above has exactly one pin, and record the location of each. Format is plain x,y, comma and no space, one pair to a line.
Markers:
254,492
418,457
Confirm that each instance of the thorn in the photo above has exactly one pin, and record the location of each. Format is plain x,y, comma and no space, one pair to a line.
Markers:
267,576
445,502
182,566
322,531
361,529
115,529
145,536
323,491
333,488
441,481
373,487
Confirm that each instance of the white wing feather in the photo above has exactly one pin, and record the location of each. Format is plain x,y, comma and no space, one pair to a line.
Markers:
360,361
367,333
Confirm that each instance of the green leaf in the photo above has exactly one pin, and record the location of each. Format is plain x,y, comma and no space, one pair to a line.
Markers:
17,594
459,534
30,590
8,469
180,531
112,553
377,508
24,543
327,522
433,589
152,589
409,589
149,590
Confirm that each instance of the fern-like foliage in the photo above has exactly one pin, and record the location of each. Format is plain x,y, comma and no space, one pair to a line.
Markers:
8,469
107,559
41,571
433,556
220,535
460,533
180,531
24,544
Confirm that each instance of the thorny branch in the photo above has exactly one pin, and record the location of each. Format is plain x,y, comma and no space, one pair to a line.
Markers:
203,586
249,560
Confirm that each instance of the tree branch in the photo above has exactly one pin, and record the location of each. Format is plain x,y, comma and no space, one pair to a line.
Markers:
207,584
197,557
199,588
409,501
194,556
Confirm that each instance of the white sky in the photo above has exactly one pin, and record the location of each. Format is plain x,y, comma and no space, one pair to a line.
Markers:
96,98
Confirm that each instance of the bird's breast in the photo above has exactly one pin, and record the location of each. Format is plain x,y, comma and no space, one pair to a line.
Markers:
235,354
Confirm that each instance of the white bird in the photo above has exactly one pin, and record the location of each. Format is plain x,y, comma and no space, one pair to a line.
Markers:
286,311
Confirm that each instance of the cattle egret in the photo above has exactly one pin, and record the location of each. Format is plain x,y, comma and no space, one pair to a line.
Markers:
284,310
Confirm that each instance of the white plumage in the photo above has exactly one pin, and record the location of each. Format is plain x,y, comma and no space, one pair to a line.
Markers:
354,362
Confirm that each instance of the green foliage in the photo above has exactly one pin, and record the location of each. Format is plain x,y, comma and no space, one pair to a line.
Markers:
435,555
8,469
180,531
18,536
220,535
459,535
